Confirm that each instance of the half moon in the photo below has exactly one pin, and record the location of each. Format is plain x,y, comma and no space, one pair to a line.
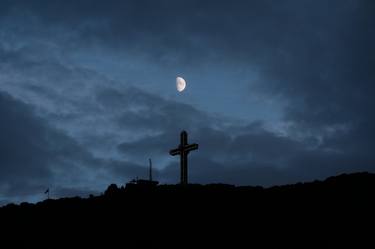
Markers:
180,84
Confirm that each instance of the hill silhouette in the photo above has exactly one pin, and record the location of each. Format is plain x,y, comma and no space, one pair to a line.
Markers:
333,212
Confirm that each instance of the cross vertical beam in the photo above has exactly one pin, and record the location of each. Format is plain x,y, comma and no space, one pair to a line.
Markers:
183,150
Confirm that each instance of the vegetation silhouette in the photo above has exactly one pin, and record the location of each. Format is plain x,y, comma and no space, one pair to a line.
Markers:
330,213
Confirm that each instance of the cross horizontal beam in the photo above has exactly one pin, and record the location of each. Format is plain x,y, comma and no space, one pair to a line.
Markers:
175,152
186,148
190,147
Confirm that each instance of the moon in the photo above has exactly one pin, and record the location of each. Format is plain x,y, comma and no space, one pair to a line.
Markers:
180,84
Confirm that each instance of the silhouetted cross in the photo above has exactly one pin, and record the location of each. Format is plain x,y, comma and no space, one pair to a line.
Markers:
183,150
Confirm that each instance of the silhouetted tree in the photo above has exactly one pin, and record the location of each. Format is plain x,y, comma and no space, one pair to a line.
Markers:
112,190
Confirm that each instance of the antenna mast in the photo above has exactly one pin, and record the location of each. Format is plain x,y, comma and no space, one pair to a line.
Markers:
150,172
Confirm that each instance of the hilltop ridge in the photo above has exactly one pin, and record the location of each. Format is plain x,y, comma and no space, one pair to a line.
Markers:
212,214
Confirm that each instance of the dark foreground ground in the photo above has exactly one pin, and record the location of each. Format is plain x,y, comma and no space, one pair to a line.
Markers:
335,213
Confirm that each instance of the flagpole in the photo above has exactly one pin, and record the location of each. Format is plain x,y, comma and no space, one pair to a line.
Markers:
47,192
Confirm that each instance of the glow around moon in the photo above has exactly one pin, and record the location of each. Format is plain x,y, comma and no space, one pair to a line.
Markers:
180,84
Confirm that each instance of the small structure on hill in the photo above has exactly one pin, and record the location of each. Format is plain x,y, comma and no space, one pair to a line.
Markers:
143,183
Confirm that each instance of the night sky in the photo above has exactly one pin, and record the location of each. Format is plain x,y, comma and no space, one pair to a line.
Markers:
278,92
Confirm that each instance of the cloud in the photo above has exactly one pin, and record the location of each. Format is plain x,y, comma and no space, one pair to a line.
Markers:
314,59
32,152
34,156
254,156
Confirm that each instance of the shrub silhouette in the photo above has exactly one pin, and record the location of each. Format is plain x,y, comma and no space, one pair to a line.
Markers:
112,190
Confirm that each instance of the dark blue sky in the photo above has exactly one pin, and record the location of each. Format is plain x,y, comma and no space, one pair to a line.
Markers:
278,92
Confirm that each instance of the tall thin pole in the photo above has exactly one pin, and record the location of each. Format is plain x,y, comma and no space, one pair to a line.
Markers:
150,173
